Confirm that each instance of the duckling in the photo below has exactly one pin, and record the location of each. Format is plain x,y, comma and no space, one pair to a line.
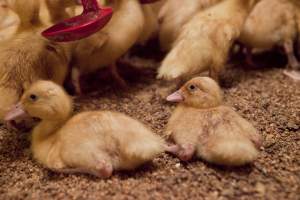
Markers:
205,40
278,28
28,57
174,14
95,142
201,124
108,45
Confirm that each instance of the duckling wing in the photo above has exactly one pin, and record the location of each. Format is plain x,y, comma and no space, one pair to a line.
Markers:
247,129
109,135
226,122
228,139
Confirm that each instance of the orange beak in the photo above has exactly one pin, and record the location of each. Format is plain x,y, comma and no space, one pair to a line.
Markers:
176,97
16,112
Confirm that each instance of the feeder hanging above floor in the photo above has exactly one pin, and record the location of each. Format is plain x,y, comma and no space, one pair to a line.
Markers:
92,19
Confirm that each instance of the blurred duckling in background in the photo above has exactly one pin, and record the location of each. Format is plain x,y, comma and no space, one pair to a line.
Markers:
95,142
58,9
9,22
174,15
150,27
108,45
28,57
205,41
277,28
201,124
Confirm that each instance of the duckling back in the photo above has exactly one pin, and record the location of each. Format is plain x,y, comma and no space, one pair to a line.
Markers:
122,141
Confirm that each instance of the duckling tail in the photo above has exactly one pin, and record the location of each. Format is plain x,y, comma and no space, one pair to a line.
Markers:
229,152
146,148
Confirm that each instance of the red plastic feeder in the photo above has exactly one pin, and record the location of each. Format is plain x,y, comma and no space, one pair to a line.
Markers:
92,19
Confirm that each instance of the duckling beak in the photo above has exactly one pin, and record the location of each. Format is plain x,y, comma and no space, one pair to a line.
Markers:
16,112
176,97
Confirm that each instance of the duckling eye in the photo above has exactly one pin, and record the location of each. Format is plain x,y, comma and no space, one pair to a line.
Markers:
33,97
192,87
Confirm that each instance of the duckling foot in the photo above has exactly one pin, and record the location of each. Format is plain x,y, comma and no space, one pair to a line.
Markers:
115,74
104,170
293,74
184,152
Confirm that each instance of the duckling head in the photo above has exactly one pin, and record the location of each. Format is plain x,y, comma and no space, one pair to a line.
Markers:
44,100
199,92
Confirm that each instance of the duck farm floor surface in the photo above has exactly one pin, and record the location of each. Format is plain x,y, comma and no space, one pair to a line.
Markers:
264,96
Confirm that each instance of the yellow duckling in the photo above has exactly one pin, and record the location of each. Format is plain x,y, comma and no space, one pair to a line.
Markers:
174,15
95,142
201,124
28,57
278,28
113,41
205,40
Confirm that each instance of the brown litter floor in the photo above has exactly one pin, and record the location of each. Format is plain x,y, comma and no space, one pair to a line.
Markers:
265,97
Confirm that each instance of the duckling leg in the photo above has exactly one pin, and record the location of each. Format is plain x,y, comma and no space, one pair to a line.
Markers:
249,58
293,65
75,76
114,71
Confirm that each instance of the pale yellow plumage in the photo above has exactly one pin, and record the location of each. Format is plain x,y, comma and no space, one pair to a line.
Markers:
95,142
205,40
27,57
280,27
201,124
174,15
114,40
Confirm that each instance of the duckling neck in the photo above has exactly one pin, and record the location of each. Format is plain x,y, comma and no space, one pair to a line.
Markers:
47,129
44,142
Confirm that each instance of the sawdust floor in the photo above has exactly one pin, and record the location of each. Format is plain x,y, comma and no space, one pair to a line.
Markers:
265,97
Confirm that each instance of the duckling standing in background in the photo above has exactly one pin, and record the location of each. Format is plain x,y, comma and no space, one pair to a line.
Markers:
277,28
28,57
9,22
108,45
150,27
174,15
202,125
205,40
95,142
